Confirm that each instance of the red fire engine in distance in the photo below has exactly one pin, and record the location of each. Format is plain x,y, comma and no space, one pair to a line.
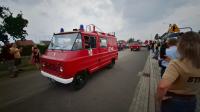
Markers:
72,56
135,46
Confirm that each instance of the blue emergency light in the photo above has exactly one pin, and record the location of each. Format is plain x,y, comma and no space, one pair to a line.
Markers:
61,30
81,27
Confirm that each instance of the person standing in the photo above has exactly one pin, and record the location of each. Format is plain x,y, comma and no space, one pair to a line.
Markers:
152,46
17,56
35,57
8,57
156,54
178,88
170,53
162,62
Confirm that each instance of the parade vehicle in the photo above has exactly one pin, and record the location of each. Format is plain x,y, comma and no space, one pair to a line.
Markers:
135,46
143,44
121,44
72,56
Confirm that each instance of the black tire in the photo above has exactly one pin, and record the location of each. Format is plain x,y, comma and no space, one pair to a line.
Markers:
80,80
55,82
111,64
131,49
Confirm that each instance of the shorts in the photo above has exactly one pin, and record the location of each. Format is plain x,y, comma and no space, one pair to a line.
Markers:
17,61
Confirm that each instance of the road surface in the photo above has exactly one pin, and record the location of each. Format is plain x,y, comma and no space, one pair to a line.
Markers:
108,90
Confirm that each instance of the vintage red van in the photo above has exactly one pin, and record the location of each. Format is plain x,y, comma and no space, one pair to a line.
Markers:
72,56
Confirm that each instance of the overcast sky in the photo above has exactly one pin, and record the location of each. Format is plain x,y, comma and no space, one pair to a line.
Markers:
140,19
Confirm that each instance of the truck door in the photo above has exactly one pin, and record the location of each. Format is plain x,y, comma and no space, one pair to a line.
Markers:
103,51
90,45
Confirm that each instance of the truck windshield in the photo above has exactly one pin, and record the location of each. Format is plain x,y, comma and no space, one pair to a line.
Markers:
63,41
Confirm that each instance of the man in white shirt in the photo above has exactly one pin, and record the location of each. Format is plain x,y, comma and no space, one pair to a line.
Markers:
171,53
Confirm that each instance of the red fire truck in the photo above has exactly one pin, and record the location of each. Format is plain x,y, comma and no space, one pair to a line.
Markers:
135,46
121,44
72,56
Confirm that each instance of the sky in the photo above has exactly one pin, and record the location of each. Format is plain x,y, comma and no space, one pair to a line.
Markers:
140,19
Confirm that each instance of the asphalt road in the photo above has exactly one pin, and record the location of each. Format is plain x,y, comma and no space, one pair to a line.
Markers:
108,90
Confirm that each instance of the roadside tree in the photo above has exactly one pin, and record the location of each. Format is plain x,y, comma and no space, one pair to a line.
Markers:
12,26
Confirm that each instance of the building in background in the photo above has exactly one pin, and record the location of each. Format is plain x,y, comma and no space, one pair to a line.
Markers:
45,42
25,43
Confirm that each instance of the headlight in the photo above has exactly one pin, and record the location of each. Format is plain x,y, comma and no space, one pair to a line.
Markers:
61,69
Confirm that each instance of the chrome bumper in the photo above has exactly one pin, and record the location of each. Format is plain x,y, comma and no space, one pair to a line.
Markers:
58,79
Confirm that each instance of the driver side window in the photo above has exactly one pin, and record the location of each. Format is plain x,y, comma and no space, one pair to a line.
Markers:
78,43
90,42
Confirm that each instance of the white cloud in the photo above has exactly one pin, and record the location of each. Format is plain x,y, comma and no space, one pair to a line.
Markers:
49,16
185,15
141,19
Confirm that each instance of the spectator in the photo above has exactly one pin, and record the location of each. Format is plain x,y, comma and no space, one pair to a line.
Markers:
152,46
35,57
17,55
181,81
8,57
156,54
162,62
171,53
148,47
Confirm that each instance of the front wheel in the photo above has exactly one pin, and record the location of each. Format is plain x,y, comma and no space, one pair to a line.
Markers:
111,64
55,82
79,81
